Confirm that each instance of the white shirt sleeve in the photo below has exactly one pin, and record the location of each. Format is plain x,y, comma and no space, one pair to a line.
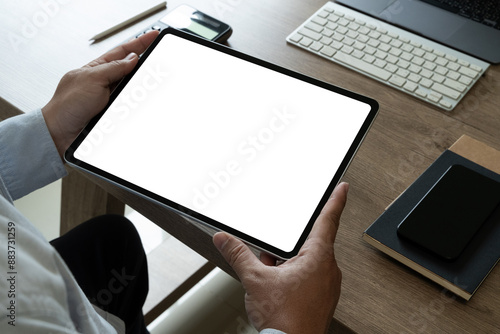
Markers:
28,157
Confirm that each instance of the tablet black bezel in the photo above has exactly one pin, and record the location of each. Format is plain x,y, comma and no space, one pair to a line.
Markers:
69,154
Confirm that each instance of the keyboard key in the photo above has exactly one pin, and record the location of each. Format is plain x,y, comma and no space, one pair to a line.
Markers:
385,39
426,73
327,32
332,26
427,48
435,97
369,58
381,54
403,73
338,37
316,46
465,80
348,41
391,59
438,78
358,45
306,41
441,61
453,66
314,27
426,83
396,43
421,93
429,65
410,86
362,66
379,63
395,52
320,20
363,38
455,85
418,52
445,104
418,61
468,72
327,51
358,54
296,38
336,45
414,68
453,75
343,22
374,34
347,49
323,14
397,80
310,34
475,68
370,50
439,53
342,30
446,91
393,34
352,34
364,30
429,56
451,58
353,26
325,40
391,68
384,47
441,70
414,77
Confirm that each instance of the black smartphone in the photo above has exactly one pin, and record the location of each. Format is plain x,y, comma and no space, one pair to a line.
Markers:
451,213
193,21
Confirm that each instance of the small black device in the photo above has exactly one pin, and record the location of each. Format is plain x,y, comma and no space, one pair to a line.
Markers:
191,20
451,213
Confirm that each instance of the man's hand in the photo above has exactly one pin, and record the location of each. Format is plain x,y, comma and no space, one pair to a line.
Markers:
83,93
300,295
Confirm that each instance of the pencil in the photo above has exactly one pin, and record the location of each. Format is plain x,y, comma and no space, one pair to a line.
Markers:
129,21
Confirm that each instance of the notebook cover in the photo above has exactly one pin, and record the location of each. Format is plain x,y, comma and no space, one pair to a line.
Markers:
464,275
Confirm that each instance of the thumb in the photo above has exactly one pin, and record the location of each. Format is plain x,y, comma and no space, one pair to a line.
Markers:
236,253
115,70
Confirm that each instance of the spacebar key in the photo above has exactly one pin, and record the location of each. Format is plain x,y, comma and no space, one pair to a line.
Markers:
362,66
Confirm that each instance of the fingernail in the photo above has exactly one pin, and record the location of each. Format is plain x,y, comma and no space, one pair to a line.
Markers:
346,187
220,240
130,56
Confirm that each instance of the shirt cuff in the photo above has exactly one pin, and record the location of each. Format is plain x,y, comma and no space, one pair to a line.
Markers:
29,158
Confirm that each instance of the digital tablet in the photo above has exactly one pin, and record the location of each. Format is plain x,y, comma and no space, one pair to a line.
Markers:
227,139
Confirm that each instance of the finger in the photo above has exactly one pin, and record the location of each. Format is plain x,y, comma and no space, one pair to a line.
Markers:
137,45
113,71
328,221
237,254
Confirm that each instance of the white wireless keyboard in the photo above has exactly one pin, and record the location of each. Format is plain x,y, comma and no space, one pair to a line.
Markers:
415,65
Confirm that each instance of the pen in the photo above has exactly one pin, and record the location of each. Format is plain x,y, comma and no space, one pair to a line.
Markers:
127,22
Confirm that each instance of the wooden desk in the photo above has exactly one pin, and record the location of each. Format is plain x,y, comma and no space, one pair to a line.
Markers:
378,294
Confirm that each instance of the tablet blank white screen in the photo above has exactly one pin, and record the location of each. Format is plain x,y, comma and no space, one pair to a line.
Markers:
246,146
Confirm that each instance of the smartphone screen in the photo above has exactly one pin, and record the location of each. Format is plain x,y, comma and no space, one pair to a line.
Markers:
451,213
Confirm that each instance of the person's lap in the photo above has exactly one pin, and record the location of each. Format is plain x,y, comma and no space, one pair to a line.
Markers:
107,259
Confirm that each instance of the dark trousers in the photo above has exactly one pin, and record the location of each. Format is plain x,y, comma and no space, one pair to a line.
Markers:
106,257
